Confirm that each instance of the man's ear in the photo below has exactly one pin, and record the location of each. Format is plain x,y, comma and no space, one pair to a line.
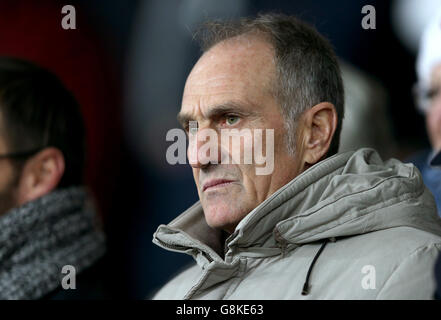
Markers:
319,123
41,174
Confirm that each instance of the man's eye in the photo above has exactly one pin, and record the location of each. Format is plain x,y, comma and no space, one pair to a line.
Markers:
231,120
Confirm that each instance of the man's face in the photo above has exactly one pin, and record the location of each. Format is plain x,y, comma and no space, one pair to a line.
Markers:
433,116
230,87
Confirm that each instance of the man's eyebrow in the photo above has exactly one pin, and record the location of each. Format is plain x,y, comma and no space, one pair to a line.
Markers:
216,111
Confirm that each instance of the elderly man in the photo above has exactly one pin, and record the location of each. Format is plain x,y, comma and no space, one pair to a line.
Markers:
320,225
50,244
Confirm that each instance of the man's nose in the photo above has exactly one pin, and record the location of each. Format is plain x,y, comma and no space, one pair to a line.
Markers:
203,148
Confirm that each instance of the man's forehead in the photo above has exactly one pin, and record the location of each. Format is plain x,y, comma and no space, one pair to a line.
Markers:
230,71
236,56
221,94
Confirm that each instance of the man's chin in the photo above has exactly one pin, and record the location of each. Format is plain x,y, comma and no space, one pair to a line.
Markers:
221,217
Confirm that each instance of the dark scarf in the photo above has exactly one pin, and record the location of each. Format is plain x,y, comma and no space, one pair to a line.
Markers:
42,236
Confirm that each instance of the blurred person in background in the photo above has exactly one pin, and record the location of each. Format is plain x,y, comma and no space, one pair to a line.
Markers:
47,218
309,229
88,60
428,94
428,100
366,122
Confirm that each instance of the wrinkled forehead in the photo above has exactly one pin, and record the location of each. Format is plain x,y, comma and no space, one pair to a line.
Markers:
242,68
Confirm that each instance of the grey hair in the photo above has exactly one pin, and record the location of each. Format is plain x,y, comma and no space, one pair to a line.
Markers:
307,69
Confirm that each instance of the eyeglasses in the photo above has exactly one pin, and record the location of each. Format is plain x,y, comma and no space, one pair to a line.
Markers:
21,154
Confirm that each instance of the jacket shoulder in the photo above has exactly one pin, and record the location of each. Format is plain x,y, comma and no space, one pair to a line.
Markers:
404,258
413,277
405,239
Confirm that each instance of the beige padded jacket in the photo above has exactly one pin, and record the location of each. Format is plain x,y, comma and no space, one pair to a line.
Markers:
350,227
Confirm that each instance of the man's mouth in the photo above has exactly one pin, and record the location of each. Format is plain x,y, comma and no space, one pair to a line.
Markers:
216,183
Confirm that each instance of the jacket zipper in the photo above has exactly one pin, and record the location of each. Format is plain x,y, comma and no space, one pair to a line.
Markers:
193,290
176,247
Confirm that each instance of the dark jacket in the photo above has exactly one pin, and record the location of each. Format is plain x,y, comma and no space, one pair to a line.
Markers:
91,284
